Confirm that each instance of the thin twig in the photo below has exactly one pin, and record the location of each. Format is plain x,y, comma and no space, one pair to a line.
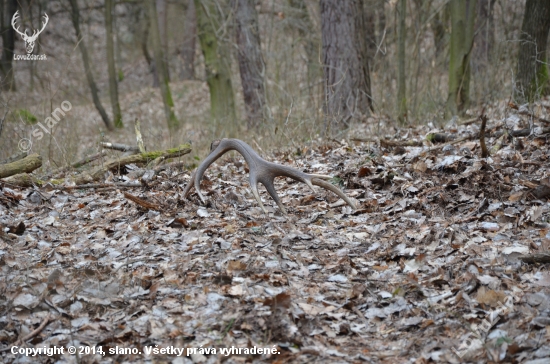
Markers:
103,185
35,332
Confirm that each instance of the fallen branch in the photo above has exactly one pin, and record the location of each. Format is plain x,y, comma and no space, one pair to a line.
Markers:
22,180
535,258
468,122
389,143
103,185
456,141
439,137
35,332
528,132
142,203
25,165
120,147
78,164
98,172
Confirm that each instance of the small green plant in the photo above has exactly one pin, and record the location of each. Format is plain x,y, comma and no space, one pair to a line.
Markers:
504,339
120,76
26,116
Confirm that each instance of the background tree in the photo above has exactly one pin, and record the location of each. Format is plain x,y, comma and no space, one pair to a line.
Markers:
532,70
188,44
216,63
251,62
401,81
75,17
301,21
347,81
485,34
171,119
8,8
113,84
162,14
462,39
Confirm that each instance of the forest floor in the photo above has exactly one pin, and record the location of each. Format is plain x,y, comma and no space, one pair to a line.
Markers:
433,266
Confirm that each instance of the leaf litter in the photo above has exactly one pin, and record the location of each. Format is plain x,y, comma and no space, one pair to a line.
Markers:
433,249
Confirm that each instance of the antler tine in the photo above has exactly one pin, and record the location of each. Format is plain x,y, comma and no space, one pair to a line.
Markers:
261,171
331,187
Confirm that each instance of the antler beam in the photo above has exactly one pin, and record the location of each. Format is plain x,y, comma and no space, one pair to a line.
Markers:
260,171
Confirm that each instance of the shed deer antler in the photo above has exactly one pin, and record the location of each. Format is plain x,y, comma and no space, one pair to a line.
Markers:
260,171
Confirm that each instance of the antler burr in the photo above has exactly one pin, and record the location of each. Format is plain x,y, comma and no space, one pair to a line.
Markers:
260,171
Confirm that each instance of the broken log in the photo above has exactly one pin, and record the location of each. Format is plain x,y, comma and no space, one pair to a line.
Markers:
97,173
25,165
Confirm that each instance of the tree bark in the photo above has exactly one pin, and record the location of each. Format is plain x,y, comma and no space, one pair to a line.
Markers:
251,62
216,62
485,35
401,85
161,6
8,8
189,42
462,38
113,84
347,81
145,50
171,119
532,73
75,17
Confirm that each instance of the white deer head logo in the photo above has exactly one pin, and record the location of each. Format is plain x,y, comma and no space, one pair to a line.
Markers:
29,40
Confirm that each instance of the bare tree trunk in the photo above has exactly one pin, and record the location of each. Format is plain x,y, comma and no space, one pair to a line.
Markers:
161,18
485,35
145,50
173,122
8,8
189,40
439,28
347,81
401,85
532,74
462,40
75,17
113,85
251,62
216,63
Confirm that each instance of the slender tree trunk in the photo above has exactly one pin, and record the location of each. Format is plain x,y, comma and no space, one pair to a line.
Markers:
462,38
145,50
439,28
8,8
485,37
401,81
113,85
173,122
75,17
189,40
251,62
216,62
163,33
347,81
532,74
